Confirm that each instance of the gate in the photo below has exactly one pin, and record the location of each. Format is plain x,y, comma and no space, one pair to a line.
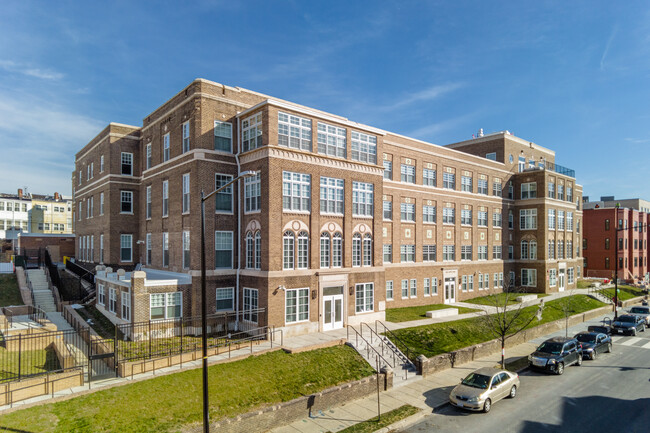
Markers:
101,359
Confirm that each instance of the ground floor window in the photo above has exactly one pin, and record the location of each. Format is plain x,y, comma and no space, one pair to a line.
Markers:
365,297
112,300
297,305
529,277
225,299
250,304
389,290
570,275
126,305
552,277
434,286
101,294
126,242
166,305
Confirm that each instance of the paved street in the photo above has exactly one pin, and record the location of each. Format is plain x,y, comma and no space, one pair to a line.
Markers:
611,393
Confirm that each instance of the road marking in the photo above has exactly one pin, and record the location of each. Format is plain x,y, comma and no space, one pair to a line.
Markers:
646,346
615,339
630,341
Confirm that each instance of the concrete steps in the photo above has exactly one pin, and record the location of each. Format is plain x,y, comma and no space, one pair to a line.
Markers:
43,297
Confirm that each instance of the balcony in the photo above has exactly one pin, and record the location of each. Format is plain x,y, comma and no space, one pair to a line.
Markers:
561,170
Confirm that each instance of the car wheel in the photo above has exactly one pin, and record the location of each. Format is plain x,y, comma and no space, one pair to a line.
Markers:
579,362
633,332
643,328
487,406
559,369
593,355
513,391
609,348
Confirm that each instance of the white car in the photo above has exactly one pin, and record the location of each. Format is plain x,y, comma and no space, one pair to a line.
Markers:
643,312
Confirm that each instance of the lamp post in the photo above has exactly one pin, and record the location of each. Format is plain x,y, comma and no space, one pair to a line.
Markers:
204,337
616,260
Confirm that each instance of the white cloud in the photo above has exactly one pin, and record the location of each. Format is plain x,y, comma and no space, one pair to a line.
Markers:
427,131
608,44
30,71
428,94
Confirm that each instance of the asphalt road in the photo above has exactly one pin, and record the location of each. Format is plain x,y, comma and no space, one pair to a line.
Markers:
609,394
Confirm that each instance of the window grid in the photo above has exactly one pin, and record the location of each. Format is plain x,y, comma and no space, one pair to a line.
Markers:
296,193
331,140
362,198
364,147
331,195
294,131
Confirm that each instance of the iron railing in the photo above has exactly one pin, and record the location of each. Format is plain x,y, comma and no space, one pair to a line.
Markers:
393,337
368,347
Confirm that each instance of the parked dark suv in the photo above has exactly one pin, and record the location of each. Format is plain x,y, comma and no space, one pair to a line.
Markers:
628,324
556,353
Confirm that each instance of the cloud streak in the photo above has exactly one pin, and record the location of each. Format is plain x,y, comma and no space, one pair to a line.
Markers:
20,68
425,95
607,46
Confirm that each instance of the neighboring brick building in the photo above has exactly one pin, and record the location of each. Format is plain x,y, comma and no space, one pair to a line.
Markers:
605,223
342,221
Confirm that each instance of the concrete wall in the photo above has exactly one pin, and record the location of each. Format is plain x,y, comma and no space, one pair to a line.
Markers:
28,388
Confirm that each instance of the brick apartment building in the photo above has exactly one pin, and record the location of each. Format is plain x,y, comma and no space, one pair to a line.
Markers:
627,224
342,221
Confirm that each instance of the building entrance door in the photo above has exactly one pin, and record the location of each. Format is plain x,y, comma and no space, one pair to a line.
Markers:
450,290
560,280
332,308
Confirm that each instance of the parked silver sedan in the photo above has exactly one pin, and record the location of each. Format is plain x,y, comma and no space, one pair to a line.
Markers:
484,387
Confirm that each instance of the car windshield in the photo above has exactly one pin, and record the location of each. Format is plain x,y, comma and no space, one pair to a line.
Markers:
477,381
586,338
626,319
550,347
639,310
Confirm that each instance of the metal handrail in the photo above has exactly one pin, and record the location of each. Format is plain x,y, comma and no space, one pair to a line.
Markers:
368,346
393,336
10,392
394,350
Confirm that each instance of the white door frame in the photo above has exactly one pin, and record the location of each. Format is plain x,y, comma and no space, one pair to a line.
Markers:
561,277
449,288
334,300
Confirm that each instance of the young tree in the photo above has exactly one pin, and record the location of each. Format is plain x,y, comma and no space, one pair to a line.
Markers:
566,303
505,320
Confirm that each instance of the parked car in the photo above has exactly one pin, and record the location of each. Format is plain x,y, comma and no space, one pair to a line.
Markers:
643,312
484,387
594,343
628,324
555,354
602,329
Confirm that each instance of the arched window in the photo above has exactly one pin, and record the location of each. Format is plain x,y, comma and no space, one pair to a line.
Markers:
532,247
288,244
303,250
337,250
325,246
258,250
250,251
356,249
367,250
524,250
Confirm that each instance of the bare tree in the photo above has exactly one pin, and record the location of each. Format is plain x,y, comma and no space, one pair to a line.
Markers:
566,303
506,322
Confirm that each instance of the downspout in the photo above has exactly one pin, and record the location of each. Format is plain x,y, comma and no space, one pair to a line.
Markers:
239,211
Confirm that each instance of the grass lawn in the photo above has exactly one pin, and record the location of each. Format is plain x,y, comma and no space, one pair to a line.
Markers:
624,292
431,340
9,291
387,419
31,362
166,403
501,297
102,326
406,314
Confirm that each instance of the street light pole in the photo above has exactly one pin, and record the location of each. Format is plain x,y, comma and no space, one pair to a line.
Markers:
616,264
204,327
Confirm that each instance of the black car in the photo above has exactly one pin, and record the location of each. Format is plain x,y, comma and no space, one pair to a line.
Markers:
601,329
628,324
594,343
556,353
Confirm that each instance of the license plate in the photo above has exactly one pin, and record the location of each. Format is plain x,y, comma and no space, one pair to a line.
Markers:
539,363
620,331
459,404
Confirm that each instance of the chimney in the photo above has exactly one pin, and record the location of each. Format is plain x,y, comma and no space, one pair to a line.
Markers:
56,196
20,193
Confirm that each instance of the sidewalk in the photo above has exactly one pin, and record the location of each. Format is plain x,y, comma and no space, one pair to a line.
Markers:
428,393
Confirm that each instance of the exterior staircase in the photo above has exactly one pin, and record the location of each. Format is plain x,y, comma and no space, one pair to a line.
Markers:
597,294
43,297
379,350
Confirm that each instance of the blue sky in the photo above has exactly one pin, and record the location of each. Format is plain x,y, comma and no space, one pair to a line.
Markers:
571,76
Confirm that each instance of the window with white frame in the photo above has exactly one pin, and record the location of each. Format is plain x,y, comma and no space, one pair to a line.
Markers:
223,136
166,305
407,212
186,136
480,281
296,305
365,297
551,249
223,250
529,277
258,250
428,214
252,193
148,153
482,186
428,253
101,294
569,249
251,299
165,198
551,190
126,305
101,203
405,288
101,248
524,250
407,173
294,131
288,250
448,215
186,193
166,147
362,198
497,219
528,190
364,147
569,221
331,195
466,183
552,277
148,202
126,248
367,250
331,140
434,286
560,192
428,177
223,199
497,188
303,251
466,216
426,287
388,169
560,219
407,253
466,252
112,300
414,288
449,253
252,132
101,163
127,164
482,218
570,275
463,284
225,298
497,251
569,194
388,253
337,250
388,210
511,252
356,250
186,249
551,218
482,252
389,290
165,249
528,219
325,247
532,250
296,191
148,247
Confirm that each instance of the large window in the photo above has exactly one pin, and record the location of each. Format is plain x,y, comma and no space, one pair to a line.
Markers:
252,132
101,294
428,177
127,164
296,305
497,251
166,305
148,161
294,131
497,219
560,220
529,277
497,189
165,249
551,190
407,253
466,216
126,248
466,252
428,214
466,183
551,218
569,221
126,305
148,247
362,198
428,253
388,210
407,212
449,215
367,250
482,252
356,250
165,198
186,249
186,136
223,250
337,250
448,253
560,192
405,288
527,219
303,250
253,250
288,250
331,140
482,218
528,190
482,186
295,191
365,297
552,277
389,290
148,202
414,288
112,299
166,148
407,173
222,136
223,199
252,193
251,298
325,247
331,195
186,192
388,253
225,298
364,147
388,169
551,249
